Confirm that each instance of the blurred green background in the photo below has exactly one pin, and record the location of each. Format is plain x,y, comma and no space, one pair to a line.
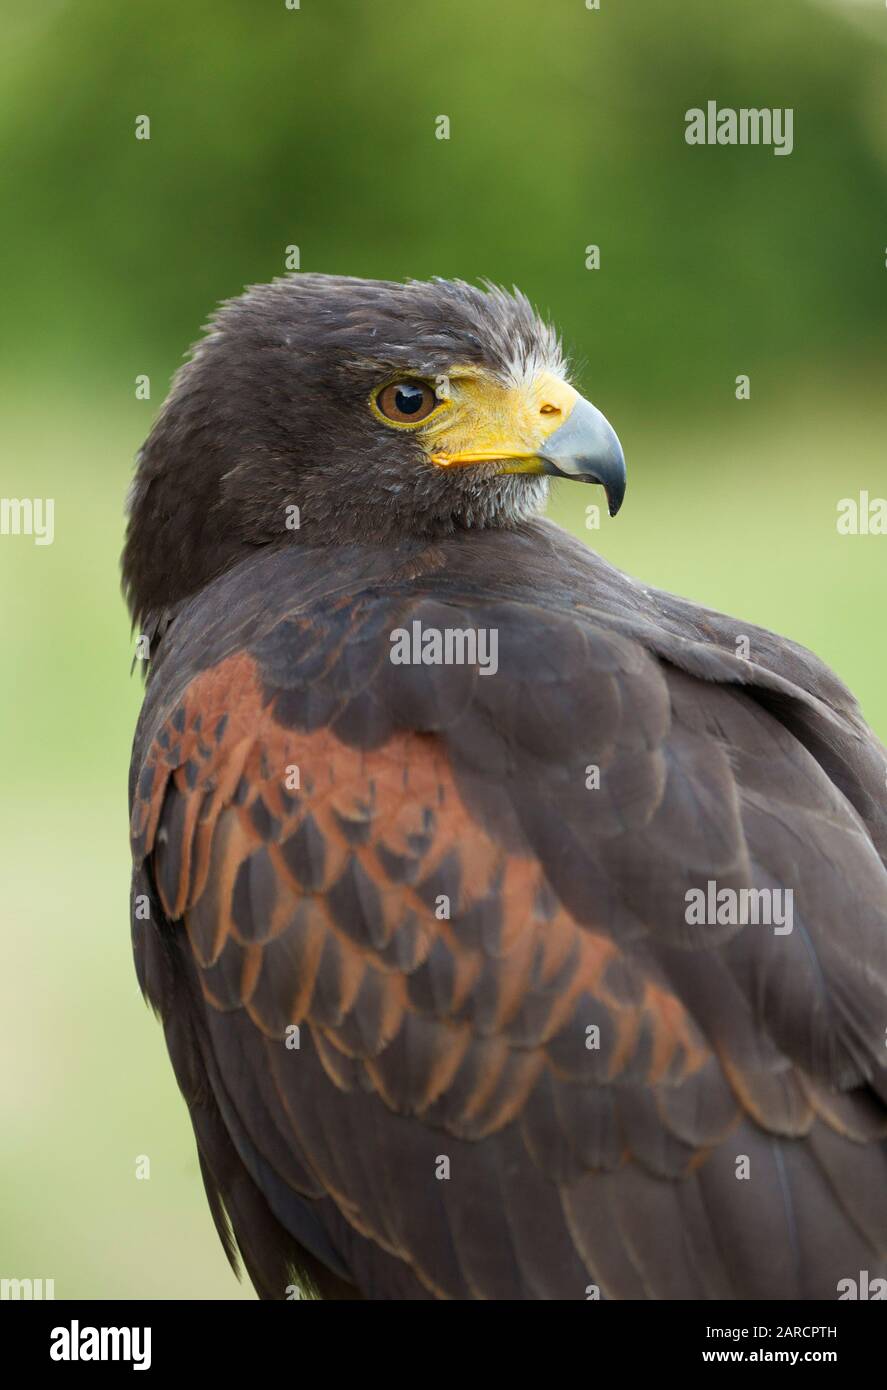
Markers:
315,127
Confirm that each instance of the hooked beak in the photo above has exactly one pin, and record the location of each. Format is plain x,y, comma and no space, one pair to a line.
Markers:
586,448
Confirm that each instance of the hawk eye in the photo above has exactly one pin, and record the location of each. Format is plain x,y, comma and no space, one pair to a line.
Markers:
406,402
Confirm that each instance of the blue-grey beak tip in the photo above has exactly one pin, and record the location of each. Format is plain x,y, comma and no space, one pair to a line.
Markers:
586,448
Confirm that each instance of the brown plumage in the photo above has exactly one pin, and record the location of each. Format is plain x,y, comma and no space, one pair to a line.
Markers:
444,908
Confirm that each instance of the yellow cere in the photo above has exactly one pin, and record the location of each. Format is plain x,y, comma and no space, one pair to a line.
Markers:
482,419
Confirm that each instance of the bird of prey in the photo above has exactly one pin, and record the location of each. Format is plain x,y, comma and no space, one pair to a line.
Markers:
516,933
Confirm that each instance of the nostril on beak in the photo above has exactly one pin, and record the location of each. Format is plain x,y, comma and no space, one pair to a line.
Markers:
549,409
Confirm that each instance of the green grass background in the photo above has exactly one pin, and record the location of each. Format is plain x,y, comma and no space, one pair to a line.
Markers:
315,127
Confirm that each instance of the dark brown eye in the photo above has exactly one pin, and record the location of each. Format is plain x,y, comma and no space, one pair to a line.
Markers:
407,402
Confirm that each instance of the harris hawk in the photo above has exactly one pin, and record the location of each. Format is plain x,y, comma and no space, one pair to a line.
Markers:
423,794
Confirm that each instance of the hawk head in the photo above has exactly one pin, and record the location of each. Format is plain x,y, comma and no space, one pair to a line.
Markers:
330,410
